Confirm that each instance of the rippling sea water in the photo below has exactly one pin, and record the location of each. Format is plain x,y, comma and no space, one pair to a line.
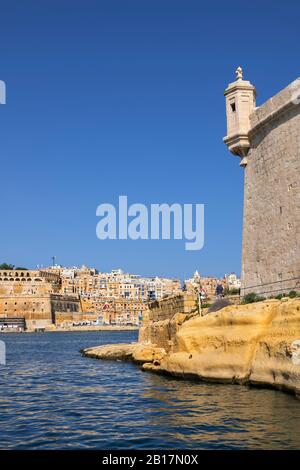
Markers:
53,398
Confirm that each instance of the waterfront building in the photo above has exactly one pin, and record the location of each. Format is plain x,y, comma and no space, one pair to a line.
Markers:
88,282
232,281
62,295
35,296
113,311
118,297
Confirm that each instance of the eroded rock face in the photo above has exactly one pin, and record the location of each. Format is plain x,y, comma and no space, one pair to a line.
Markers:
256,343
148,353
136,352
111,351
248,344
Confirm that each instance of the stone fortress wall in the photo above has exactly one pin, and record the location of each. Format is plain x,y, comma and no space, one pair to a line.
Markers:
267,138
166,308
163,318
34,296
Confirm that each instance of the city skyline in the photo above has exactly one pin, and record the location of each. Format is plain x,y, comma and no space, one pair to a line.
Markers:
120,268
59,296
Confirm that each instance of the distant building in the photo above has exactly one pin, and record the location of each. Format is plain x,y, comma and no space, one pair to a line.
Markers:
63,295
35,296
117,297
207,284
232,281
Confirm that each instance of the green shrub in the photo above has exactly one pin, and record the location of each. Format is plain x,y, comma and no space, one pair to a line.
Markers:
293,294
9,267
279,296
205,305
251,298
232,291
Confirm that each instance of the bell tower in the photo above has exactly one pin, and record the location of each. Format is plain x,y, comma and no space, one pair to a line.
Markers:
240,102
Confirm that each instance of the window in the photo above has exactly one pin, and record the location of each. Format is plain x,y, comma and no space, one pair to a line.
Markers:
232,105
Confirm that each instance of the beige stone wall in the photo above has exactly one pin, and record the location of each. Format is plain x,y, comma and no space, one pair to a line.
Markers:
271,229
67,317
167,308
30,276
25,296
30,307
36,301
164,317
65,309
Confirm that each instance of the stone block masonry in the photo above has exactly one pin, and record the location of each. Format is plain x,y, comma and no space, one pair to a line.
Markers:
168,307
162,320
271,158
35,297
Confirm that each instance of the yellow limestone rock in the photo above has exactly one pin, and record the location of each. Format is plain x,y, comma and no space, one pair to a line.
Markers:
255,343
136,352
148,353
111,351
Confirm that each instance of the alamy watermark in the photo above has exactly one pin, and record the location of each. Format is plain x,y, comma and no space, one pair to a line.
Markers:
2,92
2,353
159,221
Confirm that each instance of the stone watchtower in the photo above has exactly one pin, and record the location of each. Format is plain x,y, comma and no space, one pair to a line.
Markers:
267,139
240,102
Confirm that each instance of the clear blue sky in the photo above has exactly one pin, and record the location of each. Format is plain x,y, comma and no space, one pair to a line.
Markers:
111,97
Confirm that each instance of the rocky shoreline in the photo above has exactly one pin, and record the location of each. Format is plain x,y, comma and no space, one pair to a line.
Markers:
135,352
255,344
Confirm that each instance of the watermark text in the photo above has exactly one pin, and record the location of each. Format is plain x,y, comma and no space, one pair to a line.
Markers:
158,222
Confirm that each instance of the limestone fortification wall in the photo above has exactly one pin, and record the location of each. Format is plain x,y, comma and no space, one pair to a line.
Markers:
166,308
164,317
267,138
271,229
34,300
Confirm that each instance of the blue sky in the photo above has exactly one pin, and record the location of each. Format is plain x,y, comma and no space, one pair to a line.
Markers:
126,97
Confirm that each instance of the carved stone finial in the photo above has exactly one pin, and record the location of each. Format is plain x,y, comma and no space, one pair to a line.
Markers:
239,73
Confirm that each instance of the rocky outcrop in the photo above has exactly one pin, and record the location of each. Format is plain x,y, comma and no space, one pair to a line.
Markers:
255,344
123,352
135,352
